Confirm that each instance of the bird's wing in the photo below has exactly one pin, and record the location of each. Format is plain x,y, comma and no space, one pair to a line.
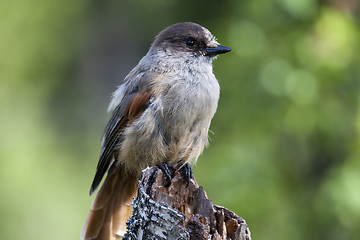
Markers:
133,103
111,207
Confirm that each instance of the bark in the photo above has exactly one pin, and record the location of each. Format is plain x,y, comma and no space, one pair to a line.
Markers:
180,212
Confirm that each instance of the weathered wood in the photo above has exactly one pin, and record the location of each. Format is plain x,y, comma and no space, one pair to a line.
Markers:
180,212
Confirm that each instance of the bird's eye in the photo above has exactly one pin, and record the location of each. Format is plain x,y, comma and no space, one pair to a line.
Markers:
190,42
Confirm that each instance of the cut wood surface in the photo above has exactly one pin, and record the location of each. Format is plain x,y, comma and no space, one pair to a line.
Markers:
180,211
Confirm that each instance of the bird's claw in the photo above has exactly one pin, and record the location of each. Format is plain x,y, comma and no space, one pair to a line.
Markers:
165,168
187,171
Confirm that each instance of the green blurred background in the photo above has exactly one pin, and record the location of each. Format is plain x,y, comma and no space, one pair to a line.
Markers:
285,150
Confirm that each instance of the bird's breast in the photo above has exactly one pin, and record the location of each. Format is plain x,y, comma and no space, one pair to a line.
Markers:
174,127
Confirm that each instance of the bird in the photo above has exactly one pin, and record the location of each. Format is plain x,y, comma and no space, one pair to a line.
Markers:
161,116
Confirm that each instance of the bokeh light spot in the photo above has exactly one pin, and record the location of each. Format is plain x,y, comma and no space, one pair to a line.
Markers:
247,38
301,87
273,76
300,9
331,44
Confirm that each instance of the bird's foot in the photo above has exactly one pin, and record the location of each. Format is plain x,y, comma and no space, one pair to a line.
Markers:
165,168
187,172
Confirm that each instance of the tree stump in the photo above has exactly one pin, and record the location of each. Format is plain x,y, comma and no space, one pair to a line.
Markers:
179,212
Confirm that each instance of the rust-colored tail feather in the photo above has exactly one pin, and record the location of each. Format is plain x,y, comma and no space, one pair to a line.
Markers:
111,207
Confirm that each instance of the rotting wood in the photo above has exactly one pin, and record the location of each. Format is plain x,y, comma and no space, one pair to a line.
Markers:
180,212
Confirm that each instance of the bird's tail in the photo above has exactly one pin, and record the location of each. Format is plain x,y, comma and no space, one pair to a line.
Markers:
111,207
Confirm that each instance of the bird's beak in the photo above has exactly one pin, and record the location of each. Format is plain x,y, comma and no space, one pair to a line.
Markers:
219,49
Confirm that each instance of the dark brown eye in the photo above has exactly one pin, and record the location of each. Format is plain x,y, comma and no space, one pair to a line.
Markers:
190,42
